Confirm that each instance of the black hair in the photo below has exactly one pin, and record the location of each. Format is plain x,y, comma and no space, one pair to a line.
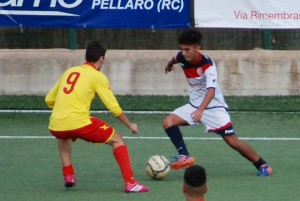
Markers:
94,51
190,37
195,176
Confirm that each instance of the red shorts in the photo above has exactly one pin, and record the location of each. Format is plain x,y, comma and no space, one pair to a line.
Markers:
97,132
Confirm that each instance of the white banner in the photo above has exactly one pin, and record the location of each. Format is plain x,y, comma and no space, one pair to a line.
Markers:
258,14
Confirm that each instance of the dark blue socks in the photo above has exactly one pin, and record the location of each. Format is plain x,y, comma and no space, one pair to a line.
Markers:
176,137
259,163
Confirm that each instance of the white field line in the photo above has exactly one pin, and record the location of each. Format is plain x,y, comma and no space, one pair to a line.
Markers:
138,112
164,138
139,138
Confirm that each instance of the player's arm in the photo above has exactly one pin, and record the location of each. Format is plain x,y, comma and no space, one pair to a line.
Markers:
208,97
211,84
132,126
170,65
197,115
51,96
111,103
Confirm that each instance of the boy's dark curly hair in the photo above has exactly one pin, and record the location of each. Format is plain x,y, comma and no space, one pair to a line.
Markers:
190,37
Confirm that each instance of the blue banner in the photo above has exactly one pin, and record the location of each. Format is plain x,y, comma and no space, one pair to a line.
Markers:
153,14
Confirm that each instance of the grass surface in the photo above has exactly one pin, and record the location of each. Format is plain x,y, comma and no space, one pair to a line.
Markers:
166,103
31,170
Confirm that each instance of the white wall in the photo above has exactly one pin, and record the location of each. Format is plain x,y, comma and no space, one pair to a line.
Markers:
141,72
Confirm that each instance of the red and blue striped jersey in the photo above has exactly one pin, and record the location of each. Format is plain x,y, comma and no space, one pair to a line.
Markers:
201,75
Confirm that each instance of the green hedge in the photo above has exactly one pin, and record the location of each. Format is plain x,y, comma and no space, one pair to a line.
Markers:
165,103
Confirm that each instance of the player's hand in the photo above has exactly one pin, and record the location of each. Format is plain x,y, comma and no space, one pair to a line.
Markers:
169,68
197,115
134,128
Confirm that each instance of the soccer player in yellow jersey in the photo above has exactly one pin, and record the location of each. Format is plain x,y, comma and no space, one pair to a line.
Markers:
70,101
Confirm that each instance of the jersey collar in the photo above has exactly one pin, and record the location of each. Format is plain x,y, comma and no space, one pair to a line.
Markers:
198,60
90,64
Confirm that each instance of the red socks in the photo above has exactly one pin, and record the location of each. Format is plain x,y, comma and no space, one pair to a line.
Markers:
122,157
68,170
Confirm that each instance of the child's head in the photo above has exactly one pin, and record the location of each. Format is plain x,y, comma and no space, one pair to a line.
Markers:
195,182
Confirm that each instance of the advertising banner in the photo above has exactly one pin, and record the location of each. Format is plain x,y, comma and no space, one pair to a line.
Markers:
258,14
95,13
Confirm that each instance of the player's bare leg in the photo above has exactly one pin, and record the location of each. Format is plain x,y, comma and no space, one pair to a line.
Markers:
65,149
121,154
173,120
171,125
115,141
243,148
248,152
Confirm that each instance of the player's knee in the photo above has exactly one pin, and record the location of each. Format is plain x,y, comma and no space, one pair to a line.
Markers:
116,140
168,122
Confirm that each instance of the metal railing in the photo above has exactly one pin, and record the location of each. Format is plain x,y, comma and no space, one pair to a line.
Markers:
213,39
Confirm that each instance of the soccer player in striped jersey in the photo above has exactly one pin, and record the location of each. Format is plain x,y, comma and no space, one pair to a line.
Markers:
70,101
206,104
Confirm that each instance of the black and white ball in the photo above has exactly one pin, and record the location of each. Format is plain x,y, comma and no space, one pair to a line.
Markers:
157,167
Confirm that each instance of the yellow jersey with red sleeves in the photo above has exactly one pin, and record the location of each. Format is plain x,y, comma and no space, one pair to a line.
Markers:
71,97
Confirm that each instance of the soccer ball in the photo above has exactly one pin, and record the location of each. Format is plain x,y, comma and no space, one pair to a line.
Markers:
157,167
